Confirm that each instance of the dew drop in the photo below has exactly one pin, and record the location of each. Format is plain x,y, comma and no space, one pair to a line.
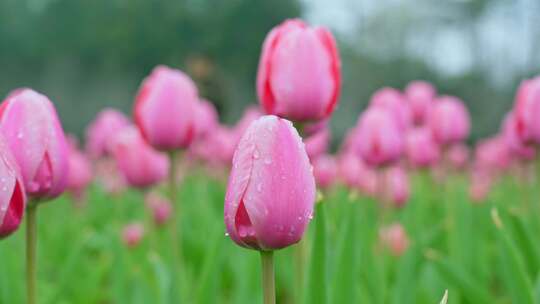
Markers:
267,161
226,234
256,154
20,135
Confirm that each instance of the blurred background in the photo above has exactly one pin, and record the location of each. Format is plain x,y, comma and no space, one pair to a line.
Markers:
86,55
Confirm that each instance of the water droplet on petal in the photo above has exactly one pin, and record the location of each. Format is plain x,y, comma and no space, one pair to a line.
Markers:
267,161
226,234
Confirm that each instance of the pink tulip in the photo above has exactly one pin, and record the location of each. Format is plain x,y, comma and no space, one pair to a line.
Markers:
80,172
394,237
33,132
317,143
165,109
206,118
132,234
325,170
421,149
109,176
378,139
493,154
250,114
420,95
527,110
397,186
99,133
449,120
516,145
271,190
160,207
299,72
12,194
458,155
393,101
141,165
480,184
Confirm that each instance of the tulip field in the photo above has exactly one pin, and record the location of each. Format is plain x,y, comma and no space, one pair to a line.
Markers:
171,205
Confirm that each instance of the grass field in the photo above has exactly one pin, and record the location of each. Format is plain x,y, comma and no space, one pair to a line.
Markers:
481,253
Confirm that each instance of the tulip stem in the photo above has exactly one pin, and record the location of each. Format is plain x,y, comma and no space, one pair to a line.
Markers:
176,242
268,280
31,240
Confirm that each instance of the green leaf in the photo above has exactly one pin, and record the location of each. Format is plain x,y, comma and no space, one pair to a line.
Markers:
317,274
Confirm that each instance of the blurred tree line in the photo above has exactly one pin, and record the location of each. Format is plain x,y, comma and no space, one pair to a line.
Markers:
86,55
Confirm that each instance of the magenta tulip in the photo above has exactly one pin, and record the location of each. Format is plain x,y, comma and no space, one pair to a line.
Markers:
449,120
132,234
299,72
527,110
378,139
517,146
493,154
325,170
420,95
271,189
165,109
99,133
12,196
141,165
33,132
421,150
393,101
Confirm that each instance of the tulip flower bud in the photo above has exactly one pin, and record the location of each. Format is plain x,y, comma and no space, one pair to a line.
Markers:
80,172
511,136
480,184
420,95
109,176
299,72
493,154
33,132
160,207
397,186
99,133
206,118
250,114
141,165
165,109
132,234
421,149
377,139
317,143
325,170
12,193
449,120
394,237
458,155
527,110
271,189
393,101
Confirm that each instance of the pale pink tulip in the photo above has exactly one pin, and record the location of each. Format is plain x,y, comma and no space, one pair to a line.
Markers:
141,165
394,237
271,189
378,139
325,170
100,131
420,95
393,101
299,72
421,150
527,110
33,132
12,194
449,120
493,154
165,109
80,172
317,143
206,118
516,145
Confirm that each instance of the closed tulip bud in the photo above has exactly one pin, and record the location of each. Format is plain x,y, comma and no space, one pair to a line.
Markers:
109,176
527,110
349,166
480,184
33,132
80,172
516,145
250,114
160,207
378,139
132,234
421,150
299,72
165,109
271,189
394,237
397,186
325,170
12,193
206,118
449,120
393,101
420,95
99,133
458,155
317,143
141,165
493,154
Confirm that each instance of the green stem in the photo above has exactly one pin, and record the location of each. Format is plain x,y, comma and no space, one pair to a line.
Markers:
300,261
31,240
175,236
268,280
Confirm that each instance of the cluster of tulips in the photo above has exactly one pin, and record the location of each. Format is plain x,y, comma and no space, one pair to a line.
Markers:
276,154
